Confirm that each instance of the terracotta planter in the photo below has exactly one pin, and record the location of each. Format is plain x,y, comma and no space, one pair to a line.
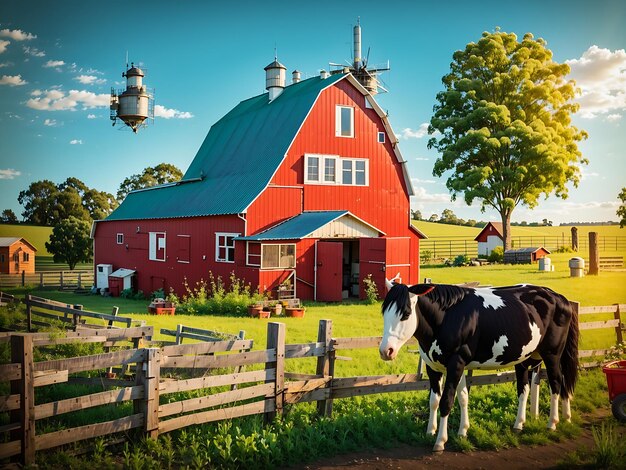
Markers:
297,312
276,310
162,308
255,310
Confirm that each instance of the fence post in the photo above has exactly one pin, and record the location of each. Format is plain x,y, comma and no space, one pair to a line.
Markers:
276,340
61,280
326,364
23,278
41,279
618,327
594,255
150,377
79,280
22,353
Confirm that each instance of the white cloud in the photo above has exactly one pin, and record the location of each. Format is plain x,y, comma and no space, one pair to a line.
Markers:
419,181
422,159
91,116
408,133
50,122
421,195
5,64
591,205
9,173
89,79
54,63
12,80
76,142
167,113
57,100
613,117
3,45
32,51
601,75
17,34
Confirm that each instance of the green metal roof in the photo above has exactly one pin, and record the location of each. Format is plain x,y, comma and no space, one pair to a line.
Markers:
236,160
297,227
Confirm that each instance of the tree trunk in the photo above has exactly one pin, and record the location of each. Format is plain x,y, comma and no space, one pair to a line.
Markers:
506,228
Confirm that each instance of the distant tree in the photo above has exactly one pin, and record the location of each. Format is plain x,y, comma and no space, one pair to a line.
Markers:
8,217
70,242
502,125
621,211
433,218
48,204
416,215
448,217
470,223
523,223
151,176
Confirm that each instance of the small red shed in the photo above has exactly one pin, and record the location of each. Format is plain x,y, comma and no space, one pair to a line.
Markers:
489,238
17,255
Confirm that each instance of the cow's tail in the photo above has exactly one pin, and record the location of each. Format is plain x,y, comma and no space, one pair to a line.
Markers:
569,358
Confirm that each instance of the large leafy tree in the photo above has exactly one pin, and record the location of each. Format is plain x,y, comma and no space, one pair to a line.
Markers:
70,242
621,210
151,176
502,125
47,204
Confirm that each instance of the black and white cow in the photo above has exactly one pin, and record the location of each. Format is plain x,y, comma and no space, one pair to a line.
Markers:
460,328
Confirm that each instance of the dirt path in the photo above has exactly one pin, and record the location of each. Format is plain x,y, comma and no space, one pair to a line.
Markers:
408,457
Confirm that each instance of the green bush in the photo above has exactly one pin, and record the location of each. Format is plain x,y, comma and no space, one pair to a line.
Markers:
371,291
497,255
427,255
461,260
158,294
564,249
127,294
215,298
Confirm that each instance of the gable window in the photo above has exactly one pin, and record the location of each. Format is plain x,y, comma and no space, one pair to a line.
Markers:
225,247
120,238
278,256
344,121
156,246
25,257
381,137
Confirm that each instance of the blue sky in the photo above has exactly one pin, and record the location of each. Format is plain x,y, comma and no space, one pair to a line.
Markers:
59,60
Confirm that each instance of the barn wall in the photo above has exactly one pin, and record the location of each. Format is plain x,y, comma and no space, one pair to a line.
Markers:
171,273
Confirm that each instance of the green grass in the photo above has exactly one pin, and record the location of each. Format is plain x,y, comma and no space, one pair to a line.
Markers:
37,236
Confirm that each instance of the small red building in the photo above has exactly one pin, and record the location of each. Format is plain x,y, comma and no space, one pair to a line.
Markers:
304,183
489,237
17,255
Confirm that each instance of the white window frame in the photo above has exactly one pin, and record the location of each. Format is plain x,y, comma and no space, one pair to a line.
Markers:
120,238
153,246
339,161
338,112
381,134
279,245
225,236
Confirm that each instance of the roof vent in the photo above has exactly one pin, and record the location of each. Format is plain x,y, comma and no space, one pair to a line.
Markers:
324,74
275,79
295,76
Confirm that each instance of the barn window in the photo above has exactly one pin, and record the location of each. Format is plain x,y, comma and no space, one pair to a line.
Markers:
278,256
184,248
381,137
156,248
25,257
120,238
16,257
225,247
312,168
354,171
330,170
344,121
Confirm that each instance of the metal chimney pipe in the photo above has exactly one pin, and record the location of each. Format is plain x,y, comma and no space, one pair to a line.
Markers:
357,45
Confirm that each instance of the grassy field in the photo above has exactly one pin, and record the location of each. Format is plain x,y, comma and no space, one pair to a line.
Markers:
37,236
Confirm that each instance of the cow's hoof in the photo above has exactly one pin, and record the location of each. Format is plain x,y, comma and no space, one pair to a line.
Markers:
437,449
517,430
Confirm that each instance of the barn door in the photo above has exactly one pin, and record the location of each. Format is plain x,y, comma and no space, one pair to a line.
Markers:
329,270
373,259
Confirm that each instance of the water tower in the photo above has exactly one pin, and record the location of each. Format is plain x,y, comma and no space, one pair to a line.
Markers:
135,104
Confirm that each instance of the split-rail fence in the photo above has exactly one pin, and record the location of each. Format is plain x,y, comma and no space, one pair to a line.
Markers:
264,387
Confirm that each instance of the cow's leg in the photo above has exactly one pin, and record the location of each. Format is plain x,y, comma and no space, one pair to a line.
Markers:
462,396
566,410
454,371
534,391
555,378
435,396
521,376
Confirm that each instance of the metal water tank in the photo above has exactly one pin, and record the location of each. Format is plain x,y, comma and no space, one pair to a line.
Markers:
102,275
576,267
545,264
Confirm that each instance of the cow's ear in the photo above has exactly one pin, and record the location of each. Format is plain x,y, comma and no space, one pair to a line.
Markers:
421,289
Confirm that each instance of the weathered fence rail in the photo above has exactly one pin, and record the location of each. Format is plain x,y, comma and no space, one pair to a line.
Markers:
62,279
263,389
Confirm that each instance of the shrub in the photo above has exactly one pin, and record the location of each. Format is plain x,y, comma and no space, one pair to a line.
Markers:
158,294
371,291
427,255
497,255
461,260
564,249
213,297
126,294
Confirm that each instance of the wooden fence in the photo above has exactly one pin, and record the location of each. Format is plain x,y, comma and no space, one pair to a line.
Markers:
265,388
61,279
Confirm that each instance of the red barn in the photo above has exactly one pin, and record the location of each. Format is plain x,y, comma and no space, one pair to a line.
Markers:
489,237
304,183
